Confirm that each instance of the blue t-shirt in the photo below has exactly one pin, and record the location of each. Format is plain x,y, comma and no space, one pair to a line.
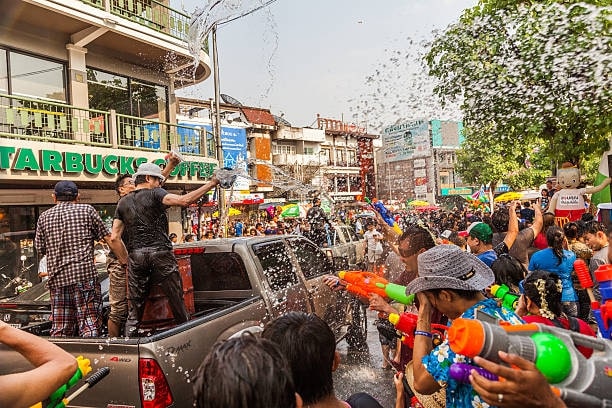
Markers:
546,260
439,360
488,257
238,227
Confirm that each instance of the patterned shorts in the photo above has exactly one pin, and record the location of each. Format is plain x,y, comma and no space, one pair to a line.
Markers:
77,309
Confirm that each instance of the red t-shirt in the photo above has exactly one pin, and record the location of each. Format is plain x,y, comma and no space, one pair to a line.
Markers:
540,241
584,328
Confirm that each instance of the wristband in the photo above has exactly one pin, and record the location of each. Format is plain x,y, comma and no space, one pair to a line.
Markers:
422,333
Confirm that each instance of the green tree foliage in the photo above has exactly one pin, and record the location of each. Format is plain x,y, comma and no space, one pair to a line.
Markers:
529,74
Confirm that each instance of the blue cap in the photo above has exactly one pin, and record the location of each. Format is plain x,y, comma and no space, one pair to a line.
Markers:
66,190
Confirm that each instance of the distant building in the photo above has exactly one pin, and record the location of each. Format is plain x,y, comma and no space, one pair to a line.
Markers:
417,160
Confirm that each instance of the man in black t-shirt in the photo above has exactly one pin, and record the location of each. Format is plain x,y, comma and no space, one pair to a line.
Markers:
317,219
142,215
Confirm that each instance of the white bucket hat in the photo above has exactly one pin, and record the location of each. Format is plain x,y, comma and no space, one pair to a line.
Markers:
149,169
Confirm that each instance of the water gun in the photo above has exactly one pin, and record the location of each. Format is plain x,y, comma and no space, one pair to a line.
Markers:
509,299
407,323
460,372
603,311
380,208
55,400
363,284
579,381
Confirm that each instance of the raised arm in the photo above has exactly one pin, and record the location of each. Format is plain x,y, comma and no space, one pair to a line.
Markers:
191,197
538,221
513,228
53,368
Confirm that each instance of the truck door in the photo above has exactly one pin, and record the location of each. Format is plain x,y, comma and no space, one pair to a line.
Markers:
286,292
329,305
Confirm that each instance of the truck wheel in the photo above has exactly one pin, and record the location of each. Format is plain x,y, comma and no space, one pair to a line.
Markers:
357,332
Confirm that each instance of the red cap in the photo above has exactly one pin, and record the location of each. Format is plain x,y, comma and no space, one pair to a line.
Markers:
463,234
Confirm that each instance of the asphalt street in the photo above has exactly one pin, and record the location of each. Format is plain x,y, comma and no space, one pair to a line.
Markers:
360,371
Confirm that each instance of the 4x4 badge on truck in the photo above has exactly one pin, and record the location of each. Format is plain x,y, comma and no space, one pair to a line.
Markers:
6,317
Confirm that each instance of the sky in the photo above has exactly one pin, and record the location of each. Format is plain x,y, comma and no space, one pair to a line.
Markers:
300,58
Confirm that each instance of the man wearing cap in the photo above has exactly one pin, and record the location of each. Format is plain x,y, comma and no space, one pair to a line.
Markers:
452,282
142,215
480,240
65,234
117,295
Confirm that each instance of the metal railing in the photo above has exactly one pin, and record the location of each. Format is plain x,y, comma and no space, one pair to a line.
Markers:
141,133
36,119
150,13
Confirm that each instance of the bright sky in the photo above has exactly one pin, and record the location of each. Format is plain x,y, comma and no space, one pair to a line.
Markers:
303,57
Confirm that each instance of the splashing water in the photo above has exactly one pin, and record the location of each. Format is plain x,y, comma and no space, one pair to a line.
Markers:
213,13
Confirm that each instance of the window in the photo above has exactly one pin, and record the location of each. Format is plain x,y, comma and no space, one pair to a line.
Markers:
219,271
35,77
126,95
3,72
312,260
309,151
284,149
276,265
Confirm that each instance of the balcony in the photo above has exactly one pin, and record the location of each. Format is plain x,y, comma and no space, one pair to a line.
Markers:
140,32
39,120
300,159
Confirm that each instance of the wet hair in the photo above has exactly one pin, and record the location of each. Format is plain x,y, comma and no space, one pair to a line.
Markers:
544,289
586,217
593,227
119,181
555,239
309,345
570,230
419,236
500,220
548,219
172,236
244,372
508,271
139,179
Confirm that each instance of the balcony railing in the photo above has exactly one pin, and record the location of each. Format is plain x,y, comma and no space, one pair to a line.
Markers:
36,119
149,13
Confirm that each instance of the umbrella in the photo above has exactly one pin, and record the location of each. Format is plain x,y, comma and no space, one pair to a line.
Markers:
418,203
293,210
232,211
509,196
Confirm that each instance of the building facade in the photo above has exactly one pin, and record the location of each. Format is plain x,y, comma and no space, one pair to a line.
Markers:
87,91
417,161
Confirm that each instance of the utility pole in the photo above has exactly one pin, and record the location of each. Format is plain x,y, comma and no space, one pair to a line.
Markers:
217,129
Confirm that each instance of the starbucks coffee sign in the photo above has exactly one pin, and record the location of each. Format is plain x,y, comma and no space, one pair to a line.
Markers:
28,160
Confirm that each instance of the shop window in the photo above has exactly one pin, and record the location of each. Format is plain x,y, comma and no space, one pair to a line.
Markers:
36,77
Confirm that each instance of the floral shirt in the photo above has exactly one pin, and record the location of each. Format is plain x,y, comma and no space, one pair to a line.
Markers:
438,362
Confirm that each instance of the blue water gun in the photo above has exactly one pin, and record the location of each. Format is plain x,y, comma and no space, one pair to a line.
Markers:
380,208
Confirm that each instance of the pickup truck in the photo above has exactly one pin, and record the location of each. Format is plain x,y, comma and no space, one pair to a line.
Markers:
348,250
239,284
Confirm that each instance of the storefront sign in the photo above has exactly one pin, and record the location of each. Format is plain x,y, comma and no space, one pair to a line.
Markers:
28,161
456,191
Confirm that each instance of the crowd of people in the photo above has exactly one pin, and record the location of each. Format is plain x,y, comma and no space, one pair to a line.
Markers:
449,258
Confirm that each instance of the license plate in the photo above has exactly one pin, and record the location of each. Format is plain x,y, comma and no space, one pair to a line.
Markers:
15,325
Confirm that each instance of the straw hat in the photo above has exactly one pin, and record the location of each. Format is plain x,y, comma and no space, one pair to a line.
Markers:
435,400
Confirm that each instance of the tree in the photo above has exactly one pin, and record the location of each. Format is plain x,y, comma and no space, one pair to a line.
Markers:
528,74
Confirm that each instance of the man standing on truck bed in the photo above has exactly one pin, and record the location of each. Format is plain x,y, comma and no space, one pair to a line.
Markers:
66,233
142,214
117,292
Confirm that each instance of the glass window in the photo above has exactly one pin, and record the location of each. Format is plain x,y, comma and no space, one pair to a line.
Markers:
3,72
148,101
37,78
276,265
309,151
108,91
219,271
312,260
